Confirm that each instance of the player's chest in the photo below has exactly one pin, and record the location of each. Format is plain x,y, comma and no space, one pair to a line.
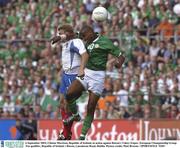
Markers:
94,47
66,46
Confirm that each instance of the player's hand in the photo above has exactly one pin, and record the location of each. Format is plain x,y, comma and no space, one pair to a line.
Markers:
55,39
60,37
81,74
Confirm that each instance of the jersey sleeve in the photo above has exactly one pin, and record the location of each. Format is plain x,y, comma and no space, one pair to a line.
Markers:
114,50
77,46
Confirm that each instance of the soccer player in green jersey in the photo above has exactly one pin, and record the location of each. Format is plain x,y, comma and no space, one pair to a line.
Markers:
98,48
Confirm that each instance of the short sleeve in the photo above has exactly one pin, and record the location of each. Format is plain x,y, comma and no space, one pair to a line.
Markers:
114,50
78,46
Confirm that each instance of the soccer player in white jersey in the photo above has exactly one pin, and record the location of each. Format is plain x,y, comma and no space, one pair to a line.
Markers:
73,56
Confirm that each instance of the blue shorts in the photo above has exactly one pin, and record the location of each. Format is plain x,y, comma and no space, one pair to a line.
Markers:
66,81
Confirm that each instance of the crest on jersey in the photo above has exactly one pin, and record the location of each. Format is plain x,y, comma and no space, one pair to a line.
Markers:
92,46
96,46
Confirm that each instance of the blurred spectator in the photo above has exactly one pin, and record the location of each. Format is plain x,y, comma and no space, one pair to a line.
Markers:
153,21
124,113
8,106
113,113
153,50
122,95
173,112
165,28
37,111
27,127
137,113
162,56
147,111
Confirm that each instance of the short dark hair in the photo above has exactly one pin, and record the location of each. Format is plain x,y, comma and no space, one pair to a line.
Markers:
85,29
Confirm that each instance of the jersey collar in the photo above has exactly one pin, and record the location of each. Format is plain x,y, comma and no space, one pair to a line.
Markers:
96,39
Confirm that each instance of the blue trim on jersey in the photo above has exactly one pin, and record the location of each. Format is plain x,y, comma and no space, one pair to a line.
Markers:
66,81
73,50
72,57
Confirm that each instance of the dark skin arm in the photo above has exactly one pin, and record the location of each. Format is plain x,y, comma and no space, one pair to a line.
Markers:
119,61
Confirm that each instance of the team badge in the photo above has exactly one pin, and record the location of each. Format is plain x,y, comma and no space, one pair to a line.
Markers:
96,46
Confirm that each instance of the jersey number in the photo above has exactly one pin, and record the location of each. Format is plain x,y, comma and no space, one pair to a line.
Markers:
90,47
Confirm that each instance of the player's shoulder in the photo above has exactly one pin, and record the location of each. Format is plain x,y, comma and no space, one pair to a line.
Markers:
104,37
78,43
77,40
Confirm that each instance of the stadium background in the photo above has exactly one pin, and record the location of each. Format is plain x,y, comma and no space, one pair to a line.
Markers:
140,101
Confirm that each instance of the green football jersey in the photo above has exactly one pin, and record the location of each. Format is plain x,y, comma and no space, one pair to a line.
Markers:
98,52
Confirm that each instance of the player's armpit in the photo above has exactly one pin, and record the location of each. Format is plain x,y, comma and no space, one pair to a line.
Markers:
119,61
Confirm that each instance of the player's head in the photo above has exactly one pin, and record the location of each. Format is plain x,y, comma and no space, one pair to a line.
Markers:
87,34
66,30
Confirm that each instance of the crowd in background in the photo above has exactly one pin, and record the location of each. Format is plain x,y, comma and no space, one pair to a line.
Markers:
148,31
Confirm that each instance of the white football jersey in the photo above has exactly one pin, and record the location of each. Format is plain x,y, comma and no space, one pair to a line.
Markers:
71,55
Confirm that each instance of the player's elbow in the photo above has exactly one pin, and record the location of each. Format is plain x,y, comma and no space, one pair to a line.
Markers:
119,61
85,55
